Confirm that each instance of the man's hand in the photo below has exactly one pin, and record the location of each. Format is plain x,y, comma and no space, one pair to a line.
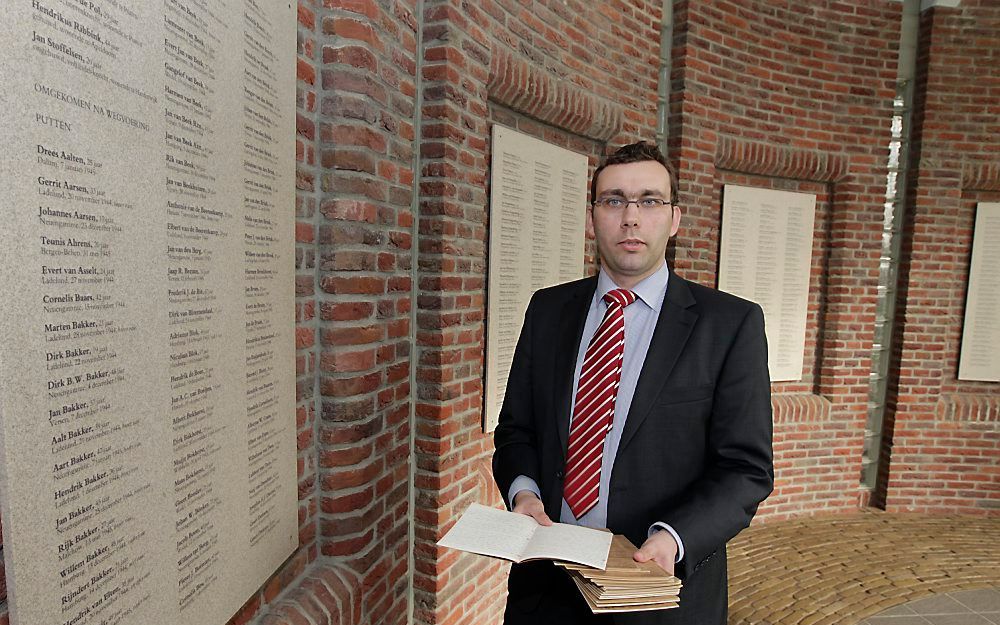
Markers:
526,502
661,548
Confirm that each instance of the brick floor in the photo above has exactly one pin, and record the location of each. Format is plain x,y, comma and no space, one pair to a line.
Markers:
841,570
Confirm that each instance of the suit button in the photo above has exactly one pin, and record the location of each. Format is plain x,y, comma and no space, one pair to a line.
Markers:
559,475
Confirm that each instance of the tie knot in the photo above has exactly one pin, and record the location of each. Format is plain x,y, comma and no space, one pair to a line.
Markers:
622,297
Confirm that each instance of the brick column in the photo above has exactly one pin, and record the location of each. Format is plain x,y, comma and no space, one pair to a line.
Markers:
945,432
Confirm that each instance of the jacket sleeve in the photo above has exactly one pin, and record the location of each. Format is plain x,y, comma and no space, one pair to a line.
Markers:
739,471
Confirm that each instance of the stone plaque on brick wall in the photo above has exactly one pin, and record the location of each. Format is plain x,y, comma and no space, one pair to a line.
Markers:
147,448
538,203
765,256
980,358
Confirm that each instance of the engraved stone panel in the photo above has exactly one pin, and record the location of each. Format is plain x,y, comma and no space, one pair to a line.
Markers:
538,201
765,257
980,359
148,436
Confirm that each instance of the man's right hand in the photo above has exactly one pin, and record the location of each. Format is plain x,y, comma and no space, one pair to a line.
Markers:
527,503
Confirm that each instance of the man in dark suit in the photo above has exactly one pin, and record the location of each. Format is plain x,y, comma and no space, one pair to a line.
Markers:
660,430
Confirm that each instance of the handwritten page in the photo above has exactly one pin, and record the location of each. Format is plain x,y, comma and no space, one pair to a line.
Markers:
516,537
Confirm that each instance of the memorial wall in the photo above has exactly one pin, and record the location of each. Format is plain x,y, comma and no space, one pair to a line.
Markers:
980,359
148,449
538,204
764,256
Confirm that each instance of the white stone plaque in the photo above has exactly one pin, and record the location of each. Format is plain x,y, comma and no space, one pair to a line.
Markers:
147,447
765,257
538,203
980,358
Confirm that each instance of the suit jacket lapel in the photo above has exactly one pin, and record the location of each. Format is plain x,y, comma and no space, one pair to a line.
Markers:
567,346
673,327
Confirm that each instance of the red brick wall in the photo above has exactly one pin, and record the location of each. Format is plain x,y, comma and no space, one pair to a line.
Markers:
945,452
364,224
796,96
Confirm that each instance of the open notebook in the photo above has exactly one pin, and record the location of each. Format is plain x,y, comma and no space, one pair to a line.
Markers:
516,537
598,562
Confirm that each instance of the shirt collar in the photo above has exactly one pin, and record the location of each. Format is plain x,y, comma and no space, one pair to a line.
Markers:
651,290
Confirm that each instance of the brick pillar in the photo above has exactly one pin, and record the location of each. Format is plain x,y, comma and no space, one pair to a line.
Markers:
451,449
365,150
945,432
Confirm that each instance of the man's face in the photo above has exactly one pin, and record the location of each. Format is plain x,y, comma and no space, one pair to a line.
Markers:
632,240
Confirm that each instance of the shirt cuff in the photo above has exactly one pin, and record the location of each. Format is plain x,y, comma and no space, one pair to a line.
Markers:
522,482
660,525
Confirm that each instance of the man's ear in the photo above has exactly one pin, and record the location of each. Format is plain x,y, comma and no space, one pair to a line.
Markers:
590,221
676,223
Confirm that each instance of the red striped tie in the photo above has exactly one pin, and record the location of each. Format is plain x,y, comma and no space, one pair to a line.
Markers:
594,411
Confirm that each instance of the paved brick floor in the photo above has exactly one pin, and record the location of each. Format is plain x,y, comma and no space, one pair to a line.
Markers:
841,570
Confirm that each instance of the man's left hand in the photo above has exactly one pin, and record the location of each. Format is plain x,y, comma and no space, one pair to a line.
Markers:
661,548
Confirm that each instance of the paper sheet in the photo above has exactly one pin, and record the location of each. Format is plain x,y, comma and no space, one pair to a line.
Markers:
516,537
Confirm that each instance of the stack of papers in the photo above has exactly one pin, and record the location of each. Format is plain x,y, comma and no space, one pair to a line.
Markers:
625,585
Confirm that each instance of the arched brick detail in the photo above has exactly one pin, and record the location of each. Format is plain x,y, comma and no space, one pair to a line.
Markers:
799,408
489,495
529,89
753,157
326,595
805,429
981,176
944,461
968,407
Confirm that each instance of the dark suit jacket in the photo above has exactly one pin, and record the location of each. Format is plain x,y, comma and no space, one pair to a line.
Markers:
696,447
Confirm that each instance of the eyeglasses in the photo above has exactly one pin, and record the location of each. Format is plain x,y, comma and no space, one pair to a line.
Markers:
620,202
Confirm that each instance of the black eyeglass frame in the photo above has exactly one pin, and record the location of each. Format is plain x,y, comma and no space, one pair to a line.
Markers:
656,202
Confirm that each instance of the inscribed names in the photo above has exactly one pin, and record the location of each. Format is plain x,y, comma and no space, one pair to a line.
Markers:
980,359
765,257
148,434
538,201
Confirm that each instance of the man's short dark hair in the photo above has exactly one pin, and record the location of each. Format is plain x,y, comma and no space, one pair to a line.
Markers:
636,153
